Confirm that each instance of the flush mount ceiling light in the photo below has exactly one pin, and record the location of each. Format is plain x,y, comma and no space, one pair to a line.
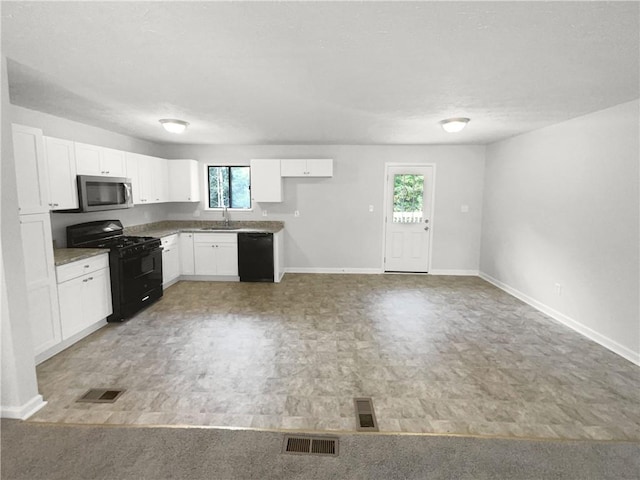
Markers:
174,126
453,125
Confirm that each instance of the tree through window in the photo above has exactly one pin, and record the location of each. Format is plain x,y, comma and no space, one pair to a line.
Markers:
229,187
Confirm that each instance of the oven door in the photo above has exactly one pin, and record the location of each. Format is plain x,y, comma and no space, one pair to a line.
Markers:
140,280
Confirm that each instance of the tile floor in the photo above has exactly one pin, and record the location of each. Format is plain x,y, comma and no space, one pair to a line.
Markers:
436,354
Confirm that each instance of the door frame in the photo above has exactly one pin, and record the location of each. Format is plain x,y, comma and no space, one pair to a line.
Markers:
387,199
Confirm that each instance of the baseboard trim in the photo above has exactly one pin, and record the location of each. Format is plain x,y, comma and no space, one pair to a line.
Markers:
459,273
25,411
63,345
356,271
615,347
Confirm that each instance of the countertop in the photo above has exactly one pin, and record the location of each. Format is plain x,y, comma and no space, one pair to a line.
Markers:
166,228
63,256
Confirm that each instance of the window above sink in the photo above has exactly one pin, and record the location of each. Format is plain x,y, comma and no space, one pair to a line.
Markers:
229,186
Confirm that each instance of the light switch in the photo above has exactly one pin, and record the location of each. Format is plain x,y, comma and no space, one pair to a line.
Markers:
371,208
296,213
464,208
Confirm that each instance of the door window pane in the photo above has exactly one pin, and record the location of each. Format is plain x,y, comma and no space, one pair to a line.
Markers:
408,192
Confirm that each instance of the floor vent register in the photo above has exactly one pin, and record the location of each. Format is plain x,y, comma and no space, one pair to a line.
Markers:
310,445
365,415
101,395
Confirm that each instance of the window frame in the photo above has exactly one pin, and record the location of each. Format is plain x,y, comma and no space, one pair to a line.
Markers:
207,196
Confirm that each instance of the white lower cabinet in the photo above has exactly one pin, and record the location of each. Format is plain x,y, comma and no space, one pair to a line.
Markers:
187,261
84,291
216,254
170,259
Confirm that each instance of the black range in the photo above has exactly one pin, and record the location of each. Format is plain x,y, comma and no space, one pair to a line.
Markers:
135,264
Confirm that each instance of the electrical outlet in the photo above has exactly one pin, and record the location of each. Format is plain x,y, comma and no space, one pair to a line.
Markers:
196,213
371,208
464,208
296,213
264,213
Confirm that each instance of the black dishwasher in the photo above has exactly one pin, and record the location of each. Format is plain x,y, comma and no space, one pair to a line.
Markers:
255,257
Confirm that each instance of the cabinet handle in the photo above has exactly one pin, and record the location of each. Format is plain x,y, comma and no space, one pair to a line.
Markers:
55,204
167,250
87,266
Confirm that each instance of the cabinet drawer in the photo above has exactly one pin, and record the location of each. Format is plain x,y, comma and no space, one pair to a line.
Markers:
76,269
169,241
215,238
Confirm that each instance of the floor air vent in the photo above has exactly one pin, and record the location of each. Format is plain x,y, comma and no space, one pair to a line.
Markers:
101,395
365,416
308,445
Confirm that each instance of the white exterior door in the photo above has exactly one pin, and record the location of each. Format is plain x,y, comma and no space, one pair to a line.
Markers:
408,212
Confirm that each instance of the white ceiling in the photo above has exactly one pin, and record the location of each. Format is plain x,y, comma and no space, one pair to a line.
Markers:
321,72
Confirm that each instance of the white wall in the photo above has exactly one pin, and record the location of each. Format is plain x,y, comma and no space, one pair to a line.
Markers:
335,229
19,388
69,130
561,205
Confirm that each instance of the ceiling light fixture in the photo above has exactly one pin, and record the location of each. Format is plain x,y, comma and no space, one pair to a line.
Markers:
174,126
453,125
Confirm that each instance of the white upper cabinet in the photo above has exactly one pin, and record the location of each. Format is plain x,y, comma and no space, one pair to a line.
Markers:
149,178
61,166
266,181
31,170
100,161
309,167
133,173
160,177
184,184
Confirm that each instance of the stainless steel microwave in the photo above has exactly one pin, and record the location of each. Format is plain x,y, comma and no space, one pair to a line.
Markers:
103,193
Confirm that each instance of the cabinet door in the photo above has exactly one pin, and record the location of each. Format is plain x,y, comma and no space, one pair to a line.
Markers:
61,165
170,258
96,296
70,294
266,180
187,265
132,173
44,315
183,181
227,259
293,167
88,159
205,258
320,167
113,163
31,170
160,177
93,292
145,179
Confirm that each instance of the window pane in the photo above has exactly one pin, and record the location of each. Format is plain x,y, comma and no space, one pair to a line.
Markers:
240,190
218,187
229,187
408,192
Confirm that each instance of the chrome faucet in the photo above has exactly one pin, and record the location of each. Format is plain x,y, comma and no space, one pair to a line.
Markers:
225,215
